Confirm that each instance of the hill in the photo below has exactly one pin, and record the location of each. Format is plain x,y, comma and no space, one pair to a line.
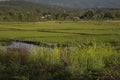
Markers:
19,10
26,5
82,3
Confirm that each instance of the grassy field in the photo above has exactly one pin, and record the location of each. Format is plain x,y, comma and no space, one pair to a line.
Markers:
61,32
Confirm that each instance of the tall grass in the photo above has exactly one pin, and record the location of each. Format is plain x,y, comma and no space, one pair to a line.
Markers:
70,63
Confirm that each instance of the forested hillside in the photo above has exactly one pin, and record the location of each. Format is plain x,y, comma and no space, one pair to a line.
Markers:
27,11
16,10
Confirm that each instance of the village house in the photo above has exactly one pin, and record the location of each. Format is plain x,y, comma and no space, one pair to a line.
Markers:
46,15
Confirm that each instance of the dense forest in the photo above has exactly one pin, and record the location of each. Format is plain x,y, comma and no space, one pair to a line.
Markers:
28,11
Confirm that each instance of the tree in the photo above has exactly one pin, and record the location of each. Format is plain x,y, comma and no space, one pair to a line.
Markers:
57,15
99,16
65,15
108,15
89,14
21,16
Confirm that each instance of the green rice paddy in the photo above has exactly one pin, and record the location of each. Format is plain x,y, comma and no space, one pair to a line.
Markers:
61,32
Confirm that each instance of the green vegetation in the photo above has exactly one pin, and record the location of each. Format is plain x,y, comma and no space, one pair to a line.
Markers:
28,11
98,61
93,53
86,43
61,32
20,10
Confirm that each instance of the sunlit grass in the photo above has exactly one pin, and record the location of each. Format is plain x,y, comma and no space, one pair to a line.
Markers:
65,32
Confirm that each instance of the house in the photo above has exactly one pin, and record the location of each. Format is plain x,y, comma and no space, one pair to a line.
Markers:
46,15
42,17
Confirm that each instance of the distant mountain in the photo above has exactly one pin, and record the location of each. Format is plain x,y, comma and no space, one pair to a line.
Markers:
78,3
82,3
27,5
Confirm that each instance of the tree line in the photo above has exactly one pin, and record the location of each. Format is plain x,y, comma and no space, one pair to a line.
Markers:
101,14
20,14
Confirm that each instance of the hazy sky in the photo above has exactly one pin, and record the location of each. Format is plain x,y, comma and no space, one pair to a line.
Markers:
81,3
3,0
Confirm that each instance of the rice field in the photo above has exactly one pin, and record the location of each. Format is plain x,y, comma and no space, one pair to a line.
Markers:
61,32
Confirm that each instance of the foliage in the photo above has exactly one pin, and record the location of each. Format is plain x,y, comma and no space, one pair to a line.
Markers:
28,11
87,63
